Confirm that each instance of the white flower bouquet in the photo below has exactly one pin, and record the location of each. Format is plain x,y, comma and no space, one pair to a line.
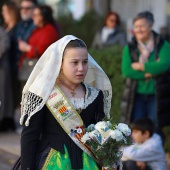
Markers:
106,141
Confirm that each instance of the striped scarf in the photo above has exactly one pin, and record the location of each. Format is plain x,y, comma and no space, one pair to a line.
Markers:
145,49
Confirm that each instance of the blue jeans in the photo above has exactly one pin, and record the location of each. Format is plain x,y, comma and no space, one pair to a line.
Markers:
144,106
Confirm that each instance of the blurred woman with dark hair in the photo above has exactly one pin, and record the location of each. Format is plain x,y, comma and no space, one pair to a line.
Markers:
44,35
11,16
5,90
110,33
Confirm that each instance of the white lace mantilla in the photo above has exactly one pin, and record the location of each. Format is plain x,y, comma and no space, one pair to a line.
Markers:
42,79
82,103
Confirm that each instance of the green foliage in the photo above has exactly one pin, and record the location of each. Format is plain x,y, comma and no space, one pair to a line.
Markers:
110,61
108,153
84,28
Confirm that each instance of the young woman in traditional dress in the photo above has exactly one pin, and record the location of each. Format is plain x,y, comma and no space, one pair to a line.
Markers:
66,91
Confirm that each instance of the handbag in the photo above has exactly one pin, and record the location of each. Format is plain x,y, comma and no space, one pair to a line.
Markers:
26,68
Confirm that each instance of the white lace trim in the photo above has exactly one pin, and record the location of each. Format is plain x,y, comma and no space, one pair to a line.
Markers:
78,103
30,104
82,103
91,94
107,102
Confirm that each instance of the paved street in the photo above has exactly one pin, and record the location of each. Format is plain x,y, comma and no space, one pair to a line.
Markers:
9,149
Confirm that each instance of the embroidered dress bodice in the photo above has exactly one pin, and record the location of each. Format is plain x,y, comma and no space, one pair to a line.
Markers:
78,103
82,103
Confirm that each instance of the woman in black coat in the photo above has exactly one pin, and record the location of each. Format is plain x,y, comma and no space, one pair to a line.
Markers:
60,98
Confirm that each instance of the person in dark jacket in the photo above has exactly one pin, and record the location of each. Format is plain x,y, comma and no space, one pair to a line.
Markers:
44,34
26,25
58,102
6,104
22,32
11,16
110,34
146,64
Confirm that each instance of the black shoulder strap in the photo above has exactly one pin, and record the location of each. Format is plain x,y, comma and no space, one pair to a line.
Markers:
133,51
159,41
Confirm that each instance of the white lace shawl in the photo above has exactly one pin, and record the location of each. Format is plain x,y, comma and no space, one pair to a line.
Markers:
43,77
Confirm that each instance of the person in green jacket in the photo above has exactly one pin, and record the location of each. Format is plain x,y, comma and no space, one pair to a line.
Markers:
145,59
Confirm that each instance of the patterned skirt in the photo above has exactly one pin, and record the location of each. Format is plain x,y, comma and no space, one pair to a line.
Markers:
51,159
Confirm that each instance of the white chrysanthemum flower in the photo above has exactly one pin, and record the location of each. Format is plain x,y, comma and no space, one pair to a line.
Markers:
108,123
85,137
101,126
94,133
90,127
116,134
124,129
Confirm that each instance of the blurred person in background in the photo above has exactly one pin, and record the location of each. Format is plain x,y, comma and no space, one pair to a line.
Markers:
11,16
110,34
44,34
26,26
145,64
147,153
23,30
6,104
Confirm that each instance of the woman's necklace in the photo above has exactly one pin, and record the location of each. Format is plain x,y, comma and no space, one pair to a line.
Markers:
72,90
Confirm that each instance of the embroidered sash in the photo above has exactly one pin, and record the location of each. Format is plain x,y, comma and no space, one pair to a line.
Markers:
68,118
